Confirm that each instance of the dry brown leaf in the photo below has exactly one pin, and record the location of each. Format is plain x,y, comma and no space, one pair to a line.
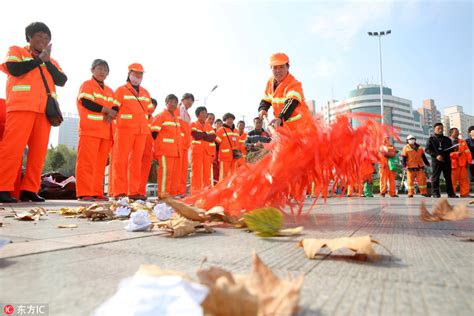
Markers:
67,211
465,237
154,270
359,245
31,215
68,226
290,231
190,212
443,211
98,213
471,202
179,226
217,213
1,224
260,293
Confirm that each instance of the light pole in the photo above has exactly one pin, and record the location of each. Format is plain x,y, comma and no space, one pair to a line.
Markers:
212,90
379,35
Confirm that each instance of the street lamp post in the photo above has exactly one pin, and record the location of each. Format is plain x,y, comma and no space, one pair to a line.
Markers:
379,35
212,90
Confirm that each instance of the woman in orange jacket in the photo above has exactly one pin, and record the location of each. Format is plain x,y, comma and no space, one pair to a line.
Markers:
130,134
460,161
166,133
28,69
227,138
97,109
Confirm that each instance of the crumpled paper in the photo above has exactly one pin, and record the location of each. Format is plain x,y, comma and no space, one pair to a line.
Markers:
139,221
149,295
123,202
163,211
122,211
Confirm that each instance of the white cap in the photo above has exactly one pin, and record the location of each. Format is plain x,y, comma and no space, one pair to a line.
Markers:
411,137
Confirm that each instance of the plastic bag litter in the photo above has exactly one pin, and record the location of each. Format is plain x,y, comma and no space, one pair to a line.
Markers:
123,202
139,221
163,211
122,211
150,295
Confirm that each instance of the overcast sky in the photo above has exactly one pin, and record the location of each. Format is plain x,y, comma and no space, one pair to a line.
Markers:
190,46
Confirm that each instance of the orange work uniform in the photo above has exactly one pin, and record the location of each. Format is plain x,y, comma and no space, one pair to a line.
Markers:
147,158
26,122
95,139
460,161
415,168
288,88
227,140
130,139
185,145
167,149
111,160
242,138
202,150
387,175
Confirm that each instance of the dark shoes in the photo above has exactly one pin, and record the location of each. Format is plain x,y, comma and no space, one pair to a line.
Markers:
137,197
436,195
453,196
5,197
27,196
426,195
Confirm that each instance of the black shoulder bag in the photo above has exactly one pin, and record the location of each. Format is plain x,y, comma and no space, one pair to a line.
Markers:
53,112
236,153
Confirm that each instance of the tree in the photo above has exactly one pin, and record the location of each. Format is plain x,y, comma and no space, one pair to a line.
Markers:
57,160
61,159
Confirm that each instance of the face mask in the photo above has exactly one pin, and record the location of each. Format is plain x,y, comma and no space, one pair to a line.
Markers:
411,142
134,80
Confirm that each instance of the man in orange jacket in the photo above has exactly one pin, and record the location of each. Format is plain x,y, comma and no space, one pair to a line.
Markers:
131,134
387,150
242,140
285,94
167,148
414,160
187,102
96,107
460,161
147,158
202,148
27,69
227,138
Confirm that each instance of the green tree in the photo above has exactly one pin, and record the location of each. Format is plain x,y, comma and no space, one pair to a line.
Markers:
61,159
57,160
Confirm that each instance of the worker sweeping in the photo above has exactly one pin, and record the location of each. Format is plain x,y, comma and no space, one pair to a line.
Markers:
414,161
461,158
131,134
97,109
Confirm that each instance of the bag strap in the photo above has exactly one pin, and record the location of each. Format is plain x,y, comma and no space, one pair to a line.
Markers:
48,92
228,137
136,97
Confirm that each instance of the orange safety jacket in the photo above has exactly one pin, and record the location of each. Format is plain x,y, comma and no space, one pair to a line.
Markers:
227,140
414,157
386,150
185,134
201,146
289,88
93,123
168,141
242,139
27,92
462,156
134,107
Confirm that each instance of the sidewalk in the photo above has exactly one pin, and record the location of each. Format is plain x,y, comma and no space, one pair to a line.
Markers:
75,270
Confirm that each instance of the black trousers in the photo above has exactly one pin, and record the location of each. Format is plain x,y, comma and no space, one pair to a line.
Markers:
439,167
471,169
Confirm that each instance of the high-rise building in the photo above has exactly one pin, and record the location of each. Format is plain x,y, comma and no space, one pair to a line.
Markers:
312,106
69,130
429,115
457,118
397,111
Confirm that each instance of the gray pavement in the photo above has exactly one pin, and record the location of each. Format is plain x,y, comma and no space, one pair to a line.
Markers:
431,271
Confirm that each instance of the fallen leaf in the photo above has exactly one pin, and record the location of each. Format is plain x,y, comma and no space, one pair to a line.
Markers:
259,293
67,211
1,224
179,226
359,245
31,215
190,212
443,211
290,231
68,226
471,202
217,213
465,237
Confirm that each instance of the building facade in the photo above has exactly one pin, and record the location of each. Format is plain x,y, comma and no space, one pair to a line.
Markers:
366,99
456,117
429,115
69,130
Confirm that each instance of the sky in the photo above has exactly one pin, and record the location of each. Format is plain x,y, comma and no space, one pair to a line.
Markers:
191,46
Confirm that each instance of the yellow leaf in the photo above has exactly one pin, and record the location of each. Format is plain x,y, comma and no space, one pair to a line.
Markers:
443,211
72,211
359,245
31,215
190,212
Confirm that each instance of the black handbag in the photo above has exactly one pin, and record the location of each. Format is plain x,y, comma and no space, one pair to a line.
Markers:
53,112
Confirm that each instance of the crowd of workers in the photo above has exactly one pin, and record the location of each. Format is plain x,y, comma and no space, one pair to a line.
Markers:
118,129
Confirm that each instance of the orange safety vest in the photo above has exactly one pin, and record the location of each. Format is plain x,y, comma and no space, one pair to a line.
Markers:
414,156
201,146
134,107
242,139
93,123
289,88
462,156
27,92
228,140
168,142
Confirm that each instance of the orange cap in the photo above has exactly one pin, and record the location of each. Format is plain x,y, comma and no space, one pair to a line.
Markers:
278,59
136,67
